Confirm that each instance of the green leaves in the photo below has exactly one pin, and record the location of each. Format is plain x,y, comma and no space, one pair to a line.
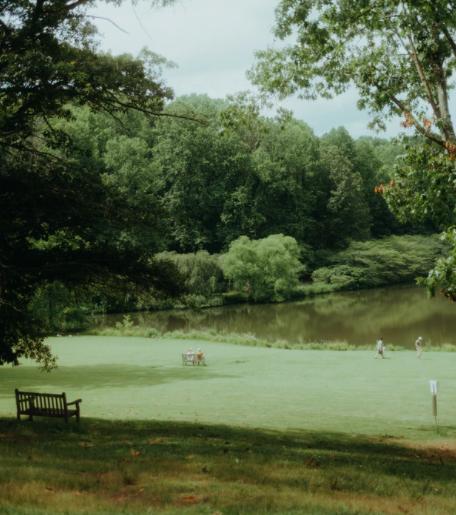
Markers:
265,269
59,219
423,186
443,276
399,55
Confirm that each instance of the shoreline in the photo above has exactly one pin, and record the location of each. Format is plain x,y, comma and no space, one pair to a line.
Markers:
253,341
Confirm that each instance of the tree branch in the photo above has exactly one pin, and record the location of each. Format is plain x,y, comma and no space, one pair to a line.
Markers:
424,81
109,20
77,3
162,113
451,41
420,128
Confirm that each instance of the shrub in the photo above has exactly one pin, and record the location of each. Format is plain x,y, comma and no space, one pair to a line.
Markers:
392,260
59,309
200,271
266,269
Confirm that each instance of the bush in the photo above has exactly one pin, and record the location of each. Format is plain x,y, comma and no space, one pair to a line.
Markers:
200,271
266,269
59,309
392,260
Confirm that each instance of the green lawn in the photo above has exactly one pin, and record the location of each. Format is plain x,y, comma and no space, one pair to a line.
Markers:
138,378
256,431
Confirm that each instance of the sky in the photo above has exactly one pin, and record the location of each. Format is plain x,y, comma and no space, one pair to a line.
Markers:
213,43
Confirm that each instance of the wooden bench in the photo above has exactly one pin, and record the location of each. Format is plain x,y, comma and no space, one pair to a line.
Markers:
34,404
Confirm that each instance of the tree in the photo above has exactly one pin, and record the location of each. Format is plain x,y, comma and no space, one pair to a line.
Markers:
287,163
347,208
265,269
58,220
281,188
199,168
374,161
399,55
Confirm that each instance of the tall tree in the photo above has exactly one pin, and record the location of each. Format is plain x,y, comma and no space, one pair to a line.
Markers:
347,207
400,55
58,220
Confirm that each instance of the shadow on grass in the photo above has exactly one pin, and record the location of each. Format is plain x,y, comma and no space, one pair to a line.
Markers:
98,376
106,442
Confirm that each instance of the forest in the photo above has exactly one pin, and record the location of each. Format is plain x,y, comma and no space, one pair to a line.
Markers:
240,207
116,196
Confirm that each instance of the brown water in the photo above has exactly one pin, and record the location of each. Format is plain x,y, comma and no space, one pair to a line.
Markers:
399,314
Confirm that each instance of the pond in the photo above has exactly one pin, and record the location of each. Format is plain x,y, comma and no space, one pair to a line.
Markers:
399,314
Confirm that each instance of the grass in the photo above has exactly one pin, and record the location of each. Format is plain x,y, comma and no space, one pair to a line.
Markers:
140,378
257,431
148,467
211,335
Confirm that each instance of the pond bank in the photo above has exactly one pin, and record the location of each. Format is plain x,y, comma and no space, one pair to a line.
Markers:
127,329
399,314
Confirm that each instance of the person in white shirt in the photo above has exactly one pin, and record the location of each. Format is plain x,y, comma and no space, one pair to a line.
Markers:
380,348
419,346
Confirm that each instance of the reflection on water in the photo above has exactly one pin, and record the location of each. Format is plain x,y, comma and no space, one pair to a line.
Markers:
399,314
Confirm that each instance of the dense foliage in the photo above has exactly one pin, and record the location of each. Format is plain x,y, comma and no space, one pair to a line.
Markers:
201,276
265,269
443,275
392,260
61,220
401,58
239,173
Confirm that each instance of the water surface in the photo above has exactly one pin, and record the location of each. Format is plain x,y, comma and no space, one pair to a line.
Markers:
399,314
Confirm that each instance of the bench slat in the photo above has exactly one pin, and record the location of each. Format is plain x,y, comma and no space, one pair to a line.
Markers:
45,404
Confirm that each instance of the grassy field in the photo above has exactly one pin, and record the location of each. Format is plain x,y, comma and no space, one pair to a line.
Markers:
138,378
256,431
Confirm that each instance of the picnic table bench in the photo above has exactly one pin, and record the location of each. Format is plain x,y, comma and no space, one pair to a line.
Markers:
35,404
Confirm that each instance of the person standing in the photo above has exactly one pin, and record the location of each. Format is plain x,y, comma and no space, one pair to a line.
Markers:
419,347
380,348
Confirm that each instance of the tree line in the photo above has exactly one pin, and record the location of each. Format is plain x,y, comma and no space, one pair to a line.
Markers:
231,172
238,207
100,171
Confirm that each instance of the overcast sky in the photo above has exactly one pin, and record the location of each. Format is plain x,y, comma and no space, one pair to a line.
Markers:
213,44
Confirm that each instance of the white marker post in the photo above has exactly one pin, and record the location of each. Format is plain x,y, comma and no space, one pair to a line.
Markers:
433,386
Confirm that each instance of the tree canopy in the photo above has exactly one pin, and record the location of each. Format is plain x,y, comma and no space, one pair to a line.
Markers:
263,269
60,220
400,56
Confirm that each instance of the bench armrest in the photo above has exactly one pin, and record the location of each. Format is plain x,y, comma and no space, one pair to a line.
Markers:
74,402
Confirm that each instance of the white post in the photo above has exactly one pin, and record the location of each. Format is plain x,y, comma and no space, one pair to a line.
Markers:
433,384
